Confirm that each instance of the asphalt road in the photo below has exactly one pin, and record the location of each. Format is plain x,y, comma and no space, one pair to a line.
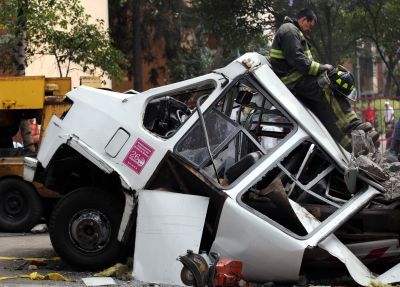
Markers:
19,252
22,254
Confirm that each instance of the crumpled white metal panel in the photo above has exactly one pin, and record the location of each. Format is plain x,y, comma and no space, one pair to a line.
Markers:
270,254
267,252
358,271
305,118
168,224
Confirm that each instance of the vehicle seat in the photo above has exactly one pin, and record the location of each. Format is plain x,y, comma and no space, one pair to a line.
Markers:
236,170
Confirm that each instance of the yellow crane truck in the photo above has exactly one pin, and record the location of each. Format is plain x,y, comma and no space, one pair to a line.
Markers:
26,106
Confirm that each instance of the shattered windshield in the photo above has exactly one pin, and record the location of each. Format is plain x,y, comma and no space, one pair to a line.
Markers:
194,148
166,113
242,126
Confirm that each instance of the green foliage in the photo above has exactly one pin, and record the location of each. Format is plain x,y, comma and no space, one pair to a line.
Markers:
249,25
6,53
341,25
333,39
191,62
239,26
377,22
169,24
8,11
63,29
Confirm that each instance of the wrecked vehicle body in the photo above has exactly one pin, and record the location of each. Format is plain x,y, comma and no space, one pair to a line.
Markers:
273,175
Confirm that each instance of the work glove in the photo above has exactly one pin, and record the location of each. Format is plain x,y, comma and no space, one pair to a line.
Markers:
325,67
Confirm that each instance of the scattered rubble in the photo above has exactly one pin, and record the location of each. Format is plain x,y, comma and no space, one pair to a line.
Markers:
37,276
120,271
39,228
32,267
369,160
98,281
379,284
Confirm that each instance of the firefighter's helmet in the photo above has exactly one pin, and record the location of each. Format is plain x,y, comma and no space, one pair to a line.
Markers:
341,81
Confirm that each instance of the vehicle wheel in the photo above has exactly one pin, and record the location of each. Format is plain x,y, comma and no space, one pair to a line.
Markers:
84,227
20,205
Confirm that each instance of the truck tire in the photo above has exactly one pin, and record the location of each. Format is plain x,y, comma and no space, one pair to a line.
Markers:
84,227
20,205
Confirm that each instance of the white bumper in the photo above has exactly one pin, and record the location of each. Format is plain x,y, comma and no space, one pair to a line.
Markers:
30,165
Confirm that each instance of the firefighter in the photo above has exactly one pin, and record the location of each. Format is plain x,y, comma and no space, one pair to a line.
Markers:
339,90
292,61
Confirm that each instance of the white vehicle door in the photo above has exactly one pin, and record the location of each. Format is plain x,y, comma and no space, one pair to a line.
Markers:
244,129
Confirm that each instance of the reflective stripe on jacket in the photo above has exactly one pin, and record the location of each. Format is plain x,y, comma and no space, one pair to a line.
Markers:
291,57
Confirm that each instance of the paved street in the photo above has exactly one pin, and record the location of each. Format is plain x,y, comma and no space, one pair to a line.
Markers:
25,245
18,252
29,247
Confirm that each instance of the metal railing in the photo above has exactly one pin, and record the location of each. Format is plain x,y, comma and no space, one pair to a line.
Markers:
378,104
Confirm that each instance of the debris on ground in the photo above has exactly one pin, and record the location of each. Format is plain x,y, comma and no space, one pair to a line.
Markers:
37,276
31,263
32,267
39,228
119,271
38,263
375,283
371,168
98,281
369,160
31,259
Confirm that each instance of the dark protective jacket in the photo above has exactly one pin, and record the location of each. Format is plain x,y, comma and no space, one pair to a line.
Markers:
291,57
292,61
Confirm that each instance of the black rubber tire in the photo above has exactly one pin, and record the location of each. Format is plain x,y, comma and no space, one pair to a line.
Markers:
82,201
20,205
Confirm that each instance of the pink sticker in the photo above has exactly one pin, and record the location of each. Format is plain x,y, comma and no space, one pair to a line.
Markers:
138,156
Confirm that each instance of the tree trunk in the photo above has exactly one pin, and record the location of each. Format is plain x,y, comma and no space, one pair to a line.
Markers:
19,50
388,85
137,46
329,48
389,63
